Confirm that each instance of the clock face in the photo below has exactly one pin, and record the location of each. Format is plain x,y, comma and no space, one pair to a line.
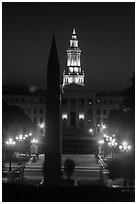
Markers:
74,43
76,69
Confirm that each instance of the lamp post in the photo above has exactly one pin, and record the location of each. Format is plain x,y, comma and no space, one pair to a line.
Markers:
112,142
106,140
34,144
20,138
98,127
30,134
42,127
101,142
125,148
103,128
10,143
91,132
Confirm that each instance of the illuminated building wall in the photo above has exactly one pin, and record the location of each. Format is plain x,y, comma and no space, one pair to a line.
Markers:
81,109
32,103
78,110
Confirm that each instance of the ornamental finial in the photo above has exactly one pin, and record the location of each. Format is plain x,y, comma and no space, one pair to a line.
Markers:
74,32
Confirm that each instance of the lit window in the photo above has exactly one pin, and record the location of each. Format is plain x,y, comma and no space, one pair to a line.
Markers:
76,69
70,80
98,101
76,80
71,69
64,116
81,116
89,101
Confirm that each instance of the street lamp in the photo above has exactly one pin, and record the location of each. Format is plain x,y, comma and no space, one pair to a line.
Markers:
106,137
101,141
10,143
91,131
112,142
19,138
34,141
125,146
98,127
42,127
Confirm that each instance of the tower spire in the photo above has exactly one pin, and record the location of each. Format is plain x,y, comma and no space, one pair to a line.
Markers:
74,72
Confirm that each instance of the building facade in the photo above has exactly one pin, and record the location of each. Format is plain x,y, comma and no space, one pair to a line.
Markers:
83,109
84,112
30,99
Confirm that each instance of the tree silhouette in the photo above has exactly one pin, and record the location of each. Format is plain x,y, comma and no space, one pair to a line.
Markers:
15,122
122,122
123,167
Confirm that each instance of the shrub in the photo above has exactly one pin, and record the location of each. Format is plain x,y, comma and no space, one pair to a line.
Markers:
69,167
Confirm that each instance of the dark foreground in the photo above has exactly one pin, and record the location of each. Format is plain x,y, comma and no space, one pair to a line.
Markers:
25,193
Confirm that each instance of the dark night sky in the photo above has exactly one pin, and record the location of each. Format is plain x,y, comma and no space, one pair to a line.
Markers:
105,32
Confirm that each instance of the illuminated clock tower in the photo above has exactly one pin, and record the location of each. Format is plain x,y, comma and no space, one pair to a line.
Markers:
73,72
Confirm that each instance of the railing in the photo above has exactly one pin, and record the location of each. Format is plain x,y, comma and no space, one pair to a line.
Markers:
101,161
103,172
